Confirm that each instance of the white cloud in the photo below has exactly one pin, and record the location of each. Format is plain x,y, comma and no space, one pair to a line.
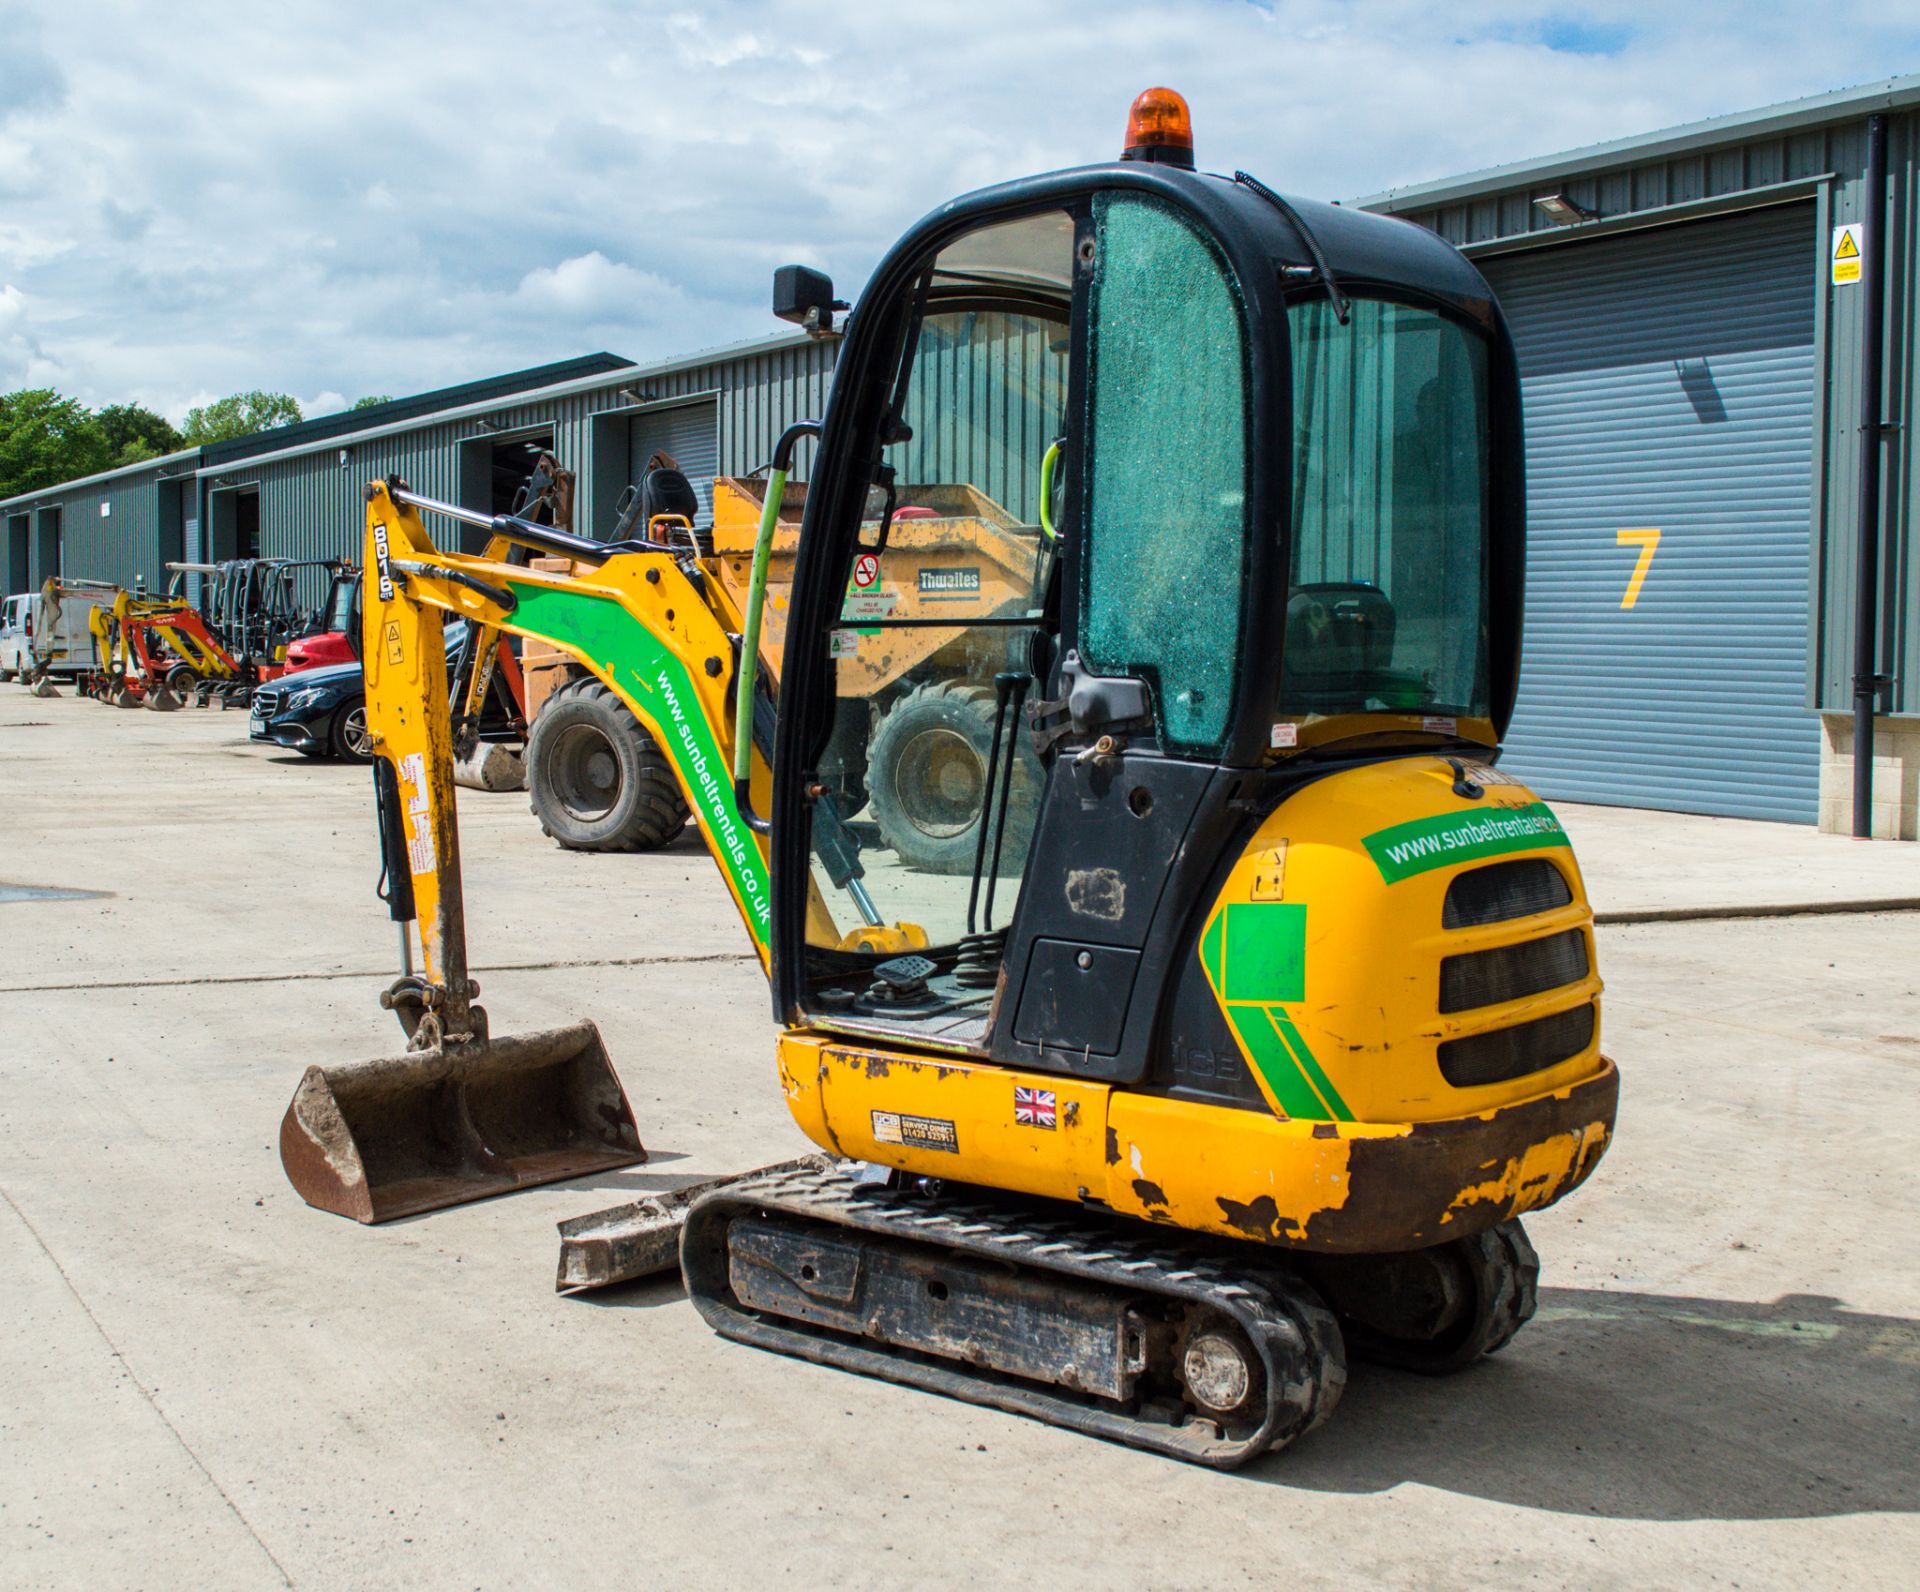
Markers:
590,287
202,198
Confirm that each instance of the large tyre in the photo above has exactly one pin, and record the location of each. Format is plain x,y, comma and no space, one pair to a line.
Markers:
598,780
927,777
349,737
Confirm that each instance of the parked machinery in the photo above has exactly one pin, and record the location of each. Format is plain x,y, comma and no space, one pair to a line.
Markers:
920,705
60,633
252,607
156,652
1263,1010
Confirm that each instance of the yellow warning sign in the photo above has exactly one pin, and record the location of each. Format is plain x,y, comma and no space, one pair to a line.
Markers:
395,653
1846,253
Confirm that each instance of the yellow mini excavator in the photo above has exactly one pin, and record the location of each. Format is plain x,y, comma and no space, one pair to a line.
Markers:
1264,1004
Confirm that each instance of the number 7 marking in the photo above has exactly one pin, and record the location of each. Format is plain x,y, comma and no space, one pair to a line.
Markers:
1647,539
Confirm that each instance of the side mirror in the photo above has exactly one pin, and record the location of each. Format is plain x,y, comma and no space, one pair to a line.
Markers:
805,297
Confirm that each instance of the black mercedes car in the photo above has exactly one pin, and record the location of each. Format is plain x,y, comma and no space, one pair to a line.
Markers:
323,712
317,712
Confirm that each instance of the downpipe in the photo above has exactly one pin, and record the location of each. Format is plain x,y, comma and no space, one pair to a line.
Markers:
1867,682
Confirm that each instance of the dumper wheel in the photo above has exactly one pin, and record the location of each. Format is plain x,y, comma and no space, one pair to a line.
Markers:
598,780
927,777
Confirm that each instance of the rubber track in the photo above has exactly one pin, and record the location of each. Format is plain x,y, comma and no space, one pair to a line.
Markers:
1296,1335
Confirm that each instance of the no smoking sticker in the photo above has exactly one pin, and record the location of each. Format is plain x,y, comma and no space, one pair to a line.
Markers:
866,569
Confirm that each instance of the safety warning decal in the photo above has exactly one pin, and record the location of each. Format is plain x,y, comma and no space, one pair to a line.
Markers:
1846,253
843,644
866,569
917,1133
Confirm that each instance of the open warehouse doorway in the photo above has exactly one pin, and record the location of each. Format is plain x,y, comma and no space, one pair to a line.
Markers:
493,470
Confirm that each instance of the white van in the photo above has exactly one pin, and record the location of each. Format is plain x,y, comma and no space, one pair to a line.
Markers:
16,635
62,637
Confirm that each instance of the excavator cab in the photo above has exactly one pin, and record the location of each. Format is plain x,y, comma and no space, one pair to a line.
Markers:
1224,488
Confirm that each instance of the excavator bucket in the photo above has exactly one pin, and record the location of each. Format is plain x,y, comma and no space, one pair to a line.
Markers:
375,1140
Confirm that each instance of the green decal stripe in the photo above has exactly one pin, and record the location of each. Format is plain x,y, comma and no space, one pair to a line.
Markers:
1288,1084
1210,950
1315,1075
659,688
1429,843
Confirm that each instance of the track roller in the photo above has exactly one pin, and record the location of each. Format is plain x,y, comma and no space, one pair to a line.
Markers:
1141,1338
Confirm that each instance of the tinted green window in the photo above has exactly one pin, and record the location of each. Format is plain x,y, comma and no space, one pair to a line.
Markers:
1166,483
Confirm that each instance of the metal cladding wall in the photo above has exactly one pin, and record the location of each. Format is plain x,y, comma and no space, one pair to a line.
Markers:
130,543
988,394
1669,382
1814,150
311,503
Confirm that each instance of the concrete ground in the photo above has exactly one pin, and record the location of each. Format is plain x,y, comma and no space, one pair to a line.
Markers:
204,1383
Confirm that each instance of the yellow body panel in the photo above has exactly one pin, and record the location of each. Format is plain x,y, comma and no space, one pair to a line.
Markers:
1324,950
1369,1009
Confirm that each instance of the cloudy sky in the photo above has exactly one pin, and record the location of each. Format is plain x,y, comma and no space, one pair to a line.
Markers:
347,198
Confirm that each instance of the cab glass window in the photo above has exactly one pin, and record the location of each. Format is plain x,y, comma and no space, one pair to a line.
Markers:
1164,523
930,787
1388,606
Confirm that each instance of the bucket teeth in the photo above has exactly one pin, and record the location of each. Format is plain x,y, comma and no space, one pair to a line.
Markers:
375,1140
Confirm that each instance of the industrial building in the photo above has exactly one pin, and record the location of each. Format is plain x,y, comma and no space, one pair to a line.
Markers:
1701,316
1694,312
296,491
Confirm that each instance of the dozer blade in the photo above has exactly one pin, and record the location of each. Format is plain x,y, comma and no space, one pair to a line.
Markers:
375,1140
626,1242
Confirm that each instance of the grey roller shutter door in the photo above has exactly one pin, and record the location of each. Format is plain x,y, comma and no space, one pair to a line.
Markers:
1668,379
690,434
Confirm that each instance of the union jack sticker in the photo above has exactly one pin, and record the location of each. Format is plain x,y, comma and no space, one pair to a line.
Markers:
1033,1108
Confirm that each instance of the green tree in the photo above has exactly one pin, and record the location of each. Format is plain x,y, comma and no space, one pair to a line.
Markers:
371,401
239,416
132,433
46,439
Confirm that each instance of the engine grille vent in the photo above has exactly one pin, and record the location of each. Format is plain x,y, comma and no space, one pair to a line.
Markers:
1486,978
1513,1052
1505,890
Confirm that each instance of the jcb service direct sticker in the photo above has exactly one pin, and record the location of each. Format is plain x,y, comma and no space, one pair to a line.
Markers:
919,1133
